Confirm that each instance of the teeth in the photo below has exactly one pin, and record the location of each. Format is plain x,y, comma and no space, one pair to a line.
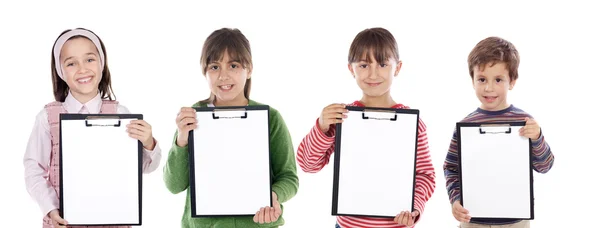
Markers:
226,87
85,80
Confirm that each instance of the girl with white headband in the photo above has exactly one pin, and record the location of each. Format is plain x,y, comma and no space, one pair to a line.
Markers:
81,82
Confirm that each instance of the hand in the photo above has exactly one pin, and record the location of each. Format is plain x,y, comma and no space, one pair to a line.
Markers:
460,213
141,130
531,129
269,214
186,121
332,114
57,221
406,218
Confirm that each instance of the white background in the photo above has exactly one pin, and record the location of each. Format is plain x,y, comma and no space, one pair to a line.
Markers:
300,51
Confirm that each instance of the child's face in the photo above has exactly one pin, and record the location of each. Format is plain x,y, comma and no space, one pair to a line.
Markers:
375,79
227,79
81,66
491,85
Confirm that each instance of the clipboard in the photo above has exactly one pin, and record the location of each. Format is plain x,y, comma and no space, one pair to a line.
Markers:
230,162
375,162
100,170
490,153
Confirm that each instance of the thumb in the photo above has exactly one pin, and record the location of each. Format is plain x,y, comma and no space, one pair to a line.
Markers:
414,213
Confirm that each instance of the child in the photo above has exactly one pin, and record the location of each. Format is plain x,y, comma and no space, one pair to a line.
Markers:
374,62
227,65
493,66
81,82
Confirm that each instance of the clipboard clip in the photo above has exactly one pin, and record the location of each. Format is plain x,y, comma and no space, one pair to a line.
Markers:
102,121
380,115
230,113
505,129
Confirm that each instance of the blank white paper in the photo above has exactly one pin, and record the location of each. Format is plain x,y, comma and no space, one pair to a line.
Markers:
100,173
377,164
495,171
231,162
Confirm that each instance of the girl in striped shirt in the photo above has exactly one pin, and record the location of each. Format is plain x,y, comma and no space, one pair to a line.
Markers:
374,62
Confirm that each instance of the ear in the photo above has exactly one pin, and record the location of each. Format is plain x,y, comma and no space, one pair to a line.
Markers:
398,66
351,70
512,84
249,74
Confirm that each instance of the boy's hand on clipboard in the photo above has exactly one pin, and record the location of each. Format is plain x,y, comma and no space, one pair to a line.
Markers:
141,130
406,218
57,221
186,121
460,213
332,114
269,214
531,129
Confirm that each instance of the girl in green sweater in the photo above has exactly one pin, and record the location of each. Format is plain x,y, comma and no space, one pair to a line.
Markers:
227,65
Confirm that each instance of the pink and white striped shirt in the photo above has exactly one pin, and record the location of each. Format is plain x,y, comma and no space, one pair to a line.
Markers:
316,148
39,149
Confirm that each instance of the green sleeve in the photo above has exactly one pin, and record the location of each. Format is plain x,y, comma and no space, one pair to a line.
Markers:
283,162
176,171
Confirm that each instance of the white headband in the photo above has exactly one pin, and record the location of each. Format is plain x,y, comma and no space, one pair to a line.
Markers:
64,37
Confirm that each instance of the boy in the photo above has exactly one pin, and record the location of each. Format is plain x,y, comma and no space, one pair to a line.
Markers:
493,66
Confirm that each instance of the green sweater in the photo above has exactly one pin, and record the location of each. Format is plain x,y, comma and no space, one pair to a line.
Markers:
283,175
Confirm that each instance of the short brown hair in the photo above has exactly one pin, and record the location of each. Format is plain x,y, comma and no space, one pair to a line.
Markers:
237,46
60,87
494,50
379,41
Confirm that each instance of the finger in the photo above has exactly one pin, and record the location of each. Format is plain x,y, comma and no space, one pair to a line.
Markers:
187,109
335,116
340,109
274,215
183,115
334,121
414,213
261,216
462,210
138,127
277,213
255,219
140,122
336,105
190,127
135,131
405,218
397,218
270,214
186,121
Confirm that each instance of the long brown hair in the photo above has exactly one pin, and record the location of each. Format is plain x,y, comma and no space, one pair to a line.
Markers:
237,46
60,87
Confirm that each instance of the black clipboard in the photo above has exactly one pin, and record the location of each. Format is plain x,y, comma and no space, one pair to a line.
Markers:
391,115
218,114
485,128
93,121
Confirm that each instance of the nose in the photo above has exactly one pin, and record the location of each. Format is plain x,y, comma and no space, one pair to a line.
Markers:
373,72
82,68
489,87
223,75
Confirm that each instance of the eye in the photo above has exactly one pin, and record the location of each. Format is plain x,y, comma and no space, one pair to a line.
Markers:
481,80
233,65
90,60
213,67
362,65
383,65
498,80
70,64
